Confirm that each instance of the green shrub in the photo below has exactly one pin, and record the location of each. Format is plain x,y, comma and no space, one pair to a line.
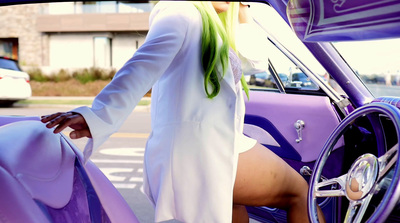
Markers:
62,75
93,74
36,74
82,75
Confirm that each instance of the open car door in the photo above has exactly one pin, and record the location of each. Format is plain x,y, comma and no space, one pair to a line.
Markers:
291,109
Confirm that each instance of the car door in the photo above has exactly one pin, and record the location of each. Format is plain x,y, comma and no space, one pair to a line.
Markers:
293,116
291,110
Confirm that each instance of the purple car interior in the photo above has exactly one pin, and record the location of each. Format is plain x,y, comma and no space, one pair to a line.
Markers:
261,110
270,116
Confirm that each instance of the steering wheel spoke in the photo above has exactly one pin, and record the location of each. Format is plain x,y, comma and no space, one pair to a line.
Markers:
357,209
334,191
387,160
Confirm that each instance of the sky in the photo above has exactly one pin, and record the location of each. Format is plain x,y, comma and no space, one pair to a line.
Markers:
372,57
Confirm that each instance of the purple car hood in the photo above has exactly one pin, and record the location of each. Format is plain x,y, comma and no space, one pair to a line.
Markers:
41,162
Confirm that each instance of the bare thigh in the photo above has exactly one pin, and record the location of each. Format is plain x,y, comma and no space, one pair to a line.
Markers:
264,179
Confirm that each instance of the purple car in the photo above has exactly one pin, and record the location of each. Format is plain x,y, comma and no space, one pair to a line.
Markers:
340,133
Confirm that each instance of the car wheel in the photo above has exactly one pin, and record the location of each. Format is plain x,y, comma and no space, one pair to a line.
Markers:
252,80
6,103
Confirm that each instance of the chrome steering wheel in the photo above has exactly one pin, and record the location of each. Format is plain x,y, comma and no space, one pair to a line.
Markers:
368,177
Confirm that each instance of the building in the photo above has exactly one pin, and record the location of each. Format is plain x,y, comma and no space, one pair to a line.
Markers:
70,35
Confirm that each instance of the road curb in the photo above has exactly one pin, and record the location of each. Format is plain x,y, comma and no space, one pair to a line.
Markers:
67,98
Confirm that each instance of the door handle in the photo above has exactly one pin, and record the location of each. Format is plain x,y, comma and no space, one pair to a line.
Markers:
299,126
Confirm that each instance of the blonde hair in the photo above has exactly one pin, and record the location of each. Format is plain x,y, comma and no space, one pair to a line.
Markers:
215,26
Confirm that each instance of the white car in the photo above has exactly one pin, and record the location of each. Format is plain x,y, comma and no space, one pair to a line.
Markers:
14,83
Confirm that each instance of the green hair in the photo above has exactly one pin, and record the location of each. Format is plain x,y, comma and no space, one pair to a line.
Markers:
215,26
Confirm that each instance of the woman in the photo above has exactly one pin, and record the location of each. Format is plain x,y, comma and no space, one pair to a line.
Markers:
197,161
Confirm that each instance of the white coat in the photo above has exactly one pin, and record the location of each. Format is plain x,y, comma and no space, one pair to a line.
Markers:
190,160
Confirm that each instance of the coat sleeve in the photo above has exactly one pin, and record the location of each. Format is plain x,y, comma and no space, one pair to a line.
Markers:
111,107
252,48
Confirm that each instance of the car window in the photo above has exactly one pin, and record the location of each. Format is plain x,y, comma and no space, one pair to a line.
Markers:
280,42
281,69
375,62
8,64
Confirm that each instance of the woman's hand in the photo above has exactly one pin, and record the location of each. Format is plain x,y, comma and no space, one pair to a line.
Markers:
62,120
